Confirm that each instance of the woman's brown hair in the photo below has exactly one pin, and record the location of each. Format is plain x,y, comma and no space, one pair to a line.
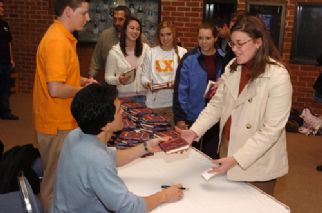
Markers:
255,28
210,26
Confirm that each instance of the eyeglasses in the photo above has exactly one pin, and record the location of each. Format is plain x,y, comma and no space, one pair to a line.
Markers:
238,45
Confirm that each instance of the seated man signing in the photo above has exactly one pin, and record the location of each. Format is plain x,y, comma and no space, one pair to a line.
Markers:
87,179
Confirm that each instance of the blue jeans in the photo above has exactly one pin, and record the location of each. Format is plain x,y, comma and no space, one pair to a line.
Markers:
5,72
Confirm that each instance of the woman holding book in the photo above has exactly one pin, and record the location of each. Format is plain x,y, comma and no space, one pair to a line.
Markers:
197,69
159,68
124,61
253,104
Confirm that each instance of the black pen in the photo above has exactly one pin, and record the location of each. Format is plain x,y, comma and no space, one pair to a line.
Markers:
167,186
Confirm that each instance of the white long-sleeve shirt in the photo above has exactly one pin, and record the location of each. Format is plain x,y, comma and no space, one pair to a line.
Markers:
160,66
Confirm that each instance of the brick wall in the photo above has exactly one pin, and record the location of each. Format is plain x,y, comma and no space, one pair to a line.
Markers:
28,21
187,15
303,76
30,18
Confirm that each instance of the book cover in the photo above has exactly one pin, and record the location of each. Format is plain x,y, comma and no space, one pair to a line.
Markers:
211,89
174,145
156,87
133,135
170,134
131,74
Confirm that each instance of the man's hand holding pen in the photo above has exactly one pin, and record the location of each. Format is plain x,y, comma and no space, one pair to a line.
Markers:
172,193
167,186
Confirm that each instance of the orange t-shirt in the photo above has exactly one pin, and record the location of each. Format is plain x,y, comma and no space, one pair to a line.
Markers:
57,61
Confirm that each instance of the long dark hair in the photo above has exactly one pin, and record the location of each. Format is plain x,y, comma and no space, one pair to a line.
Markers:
255,28
138,44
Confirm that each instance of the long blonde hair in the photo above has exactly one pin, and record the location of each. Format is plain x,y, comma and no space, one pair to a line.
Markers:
169,24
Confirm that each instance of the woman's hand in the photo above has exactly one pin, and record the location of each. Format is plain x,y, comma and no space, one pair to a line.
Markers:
187,135
222,165
124,79
181,125
170,84
148,86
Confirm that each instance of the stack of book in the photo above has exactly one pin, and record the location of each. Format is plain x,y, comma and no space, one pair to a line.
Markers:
128,124
156,87
154,123
131,138
136,114
125,115
167,134
128,106
125,100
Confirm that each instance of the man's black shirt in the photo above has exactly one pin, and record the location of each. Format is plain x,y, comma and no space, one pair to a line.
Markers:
5,39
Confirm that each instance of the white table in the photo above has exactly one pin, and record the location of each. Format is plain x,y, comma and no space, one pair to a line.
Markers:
146,175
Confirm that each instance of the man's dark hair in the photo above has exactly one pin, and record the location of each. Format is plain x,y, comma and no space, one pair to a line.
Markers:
60,5
138,45
319,59
124,8
210,26
220,21
93,107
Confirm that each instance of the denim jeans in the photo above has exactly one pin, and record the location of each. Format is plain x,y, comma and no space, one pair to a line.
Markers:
5,72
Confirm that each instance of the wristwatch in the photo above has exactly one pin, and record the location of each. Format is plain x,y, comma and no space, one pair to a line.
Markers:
145,144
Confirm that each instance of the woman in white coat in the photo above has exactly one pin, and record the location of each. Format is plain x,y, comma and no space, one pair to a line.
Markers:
124,62
252,103
159,70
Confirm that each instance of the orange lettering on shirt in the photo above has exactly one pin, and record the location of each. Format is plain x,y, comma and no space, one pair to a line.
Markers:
168,65
157,66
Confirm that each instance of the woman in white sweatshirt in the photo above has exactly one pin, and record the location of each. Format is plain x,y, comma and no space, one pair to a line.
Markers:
159,69
127,55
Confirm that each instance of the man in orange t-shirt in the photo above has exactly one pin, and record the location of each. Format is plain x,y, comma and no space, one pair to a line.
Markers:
57,80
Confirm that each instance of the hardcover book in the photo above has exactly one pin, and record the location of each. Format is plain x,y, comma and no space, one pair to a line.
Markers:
130,74
132,105
154,119
156,87
174,145
170,134
211,89
133,135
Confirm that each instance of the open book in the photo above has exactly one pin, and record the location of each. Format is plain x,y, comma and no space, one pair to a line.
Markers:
131,74
174,145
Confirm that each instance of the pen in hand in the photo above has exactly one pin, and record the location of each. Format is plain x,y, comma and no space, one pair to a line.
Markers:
167,186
